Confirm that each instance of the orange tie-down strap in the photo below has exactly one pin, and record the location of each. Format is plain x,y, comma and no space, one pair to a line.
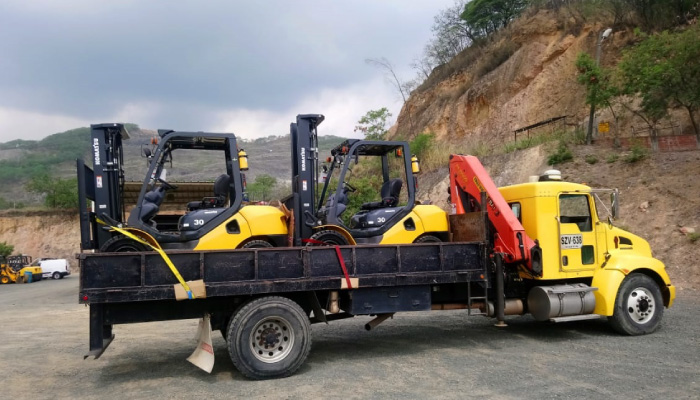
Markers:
340,259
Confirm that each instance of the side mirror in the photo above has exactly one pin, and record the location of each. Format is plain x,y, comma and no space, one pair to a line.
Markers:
615,203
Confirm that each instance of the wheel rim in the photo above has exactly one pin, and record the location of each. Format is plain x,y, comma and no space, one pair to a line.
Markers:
56,275
641,305
272,339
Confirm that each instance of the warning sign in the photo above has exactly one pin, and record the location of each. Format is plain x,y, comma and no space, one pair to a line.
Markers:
604,127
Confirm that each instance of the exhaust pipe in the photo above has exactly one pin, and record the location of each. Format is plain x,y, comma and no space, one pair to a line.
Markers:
380,318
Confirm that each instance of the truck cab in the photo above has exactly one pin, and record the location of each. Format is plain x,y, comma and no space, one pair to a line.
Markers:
578,245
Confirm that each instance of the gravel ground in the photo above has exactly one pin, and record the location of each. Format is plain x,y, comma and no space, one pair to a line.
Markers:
44,334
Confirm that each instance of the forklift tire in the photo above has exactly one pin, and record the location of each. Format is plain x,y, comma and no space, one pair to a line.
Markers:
121,244
269,337
257,244
329,237
428,239
5,279
639,306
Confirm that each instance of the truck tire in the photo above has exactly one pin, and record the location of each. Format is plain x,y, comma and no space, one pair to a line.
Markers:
329,237
121,244
257,244
639,306
269,337
428,239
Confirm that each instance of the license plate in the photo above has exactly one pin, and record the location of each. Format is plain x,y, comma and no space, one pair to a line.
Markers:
571,241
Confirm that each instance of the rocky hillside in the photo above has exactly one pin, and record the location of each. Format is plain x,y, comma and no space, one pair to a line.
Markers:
520,76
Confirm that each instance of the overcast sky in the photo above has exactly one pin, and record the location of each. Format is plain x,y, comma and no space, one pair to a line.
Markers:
247,67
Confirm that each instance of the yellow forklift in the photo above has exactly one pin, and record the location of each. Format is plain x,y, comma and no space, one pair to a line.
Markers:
219,222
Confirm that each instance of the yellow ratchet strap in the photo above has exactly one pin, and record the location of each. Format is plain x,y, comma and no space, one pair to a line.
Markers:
160,251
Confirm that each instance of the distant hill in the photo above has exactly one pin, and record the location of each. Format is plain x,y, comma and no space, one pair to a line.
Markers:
20,160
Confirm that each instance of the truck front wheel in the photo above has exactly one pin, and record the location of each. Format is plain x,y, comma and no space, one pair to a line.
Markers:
269,337
639,306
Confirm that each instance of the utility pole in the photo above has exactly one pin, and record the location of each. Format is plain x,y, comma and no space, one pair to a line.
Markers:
603,35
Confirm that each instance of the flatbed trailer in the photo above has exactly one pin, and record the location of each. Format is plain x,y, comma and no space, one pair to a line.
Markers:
379,280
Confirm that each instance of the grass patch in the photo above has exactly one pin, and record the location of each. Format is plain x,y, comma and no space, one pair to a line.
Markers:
693,237
591,159
612,158
561,155
637,153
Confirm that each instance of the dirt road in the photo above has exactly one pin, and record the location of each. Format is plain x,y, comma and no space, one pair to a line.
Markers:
44,334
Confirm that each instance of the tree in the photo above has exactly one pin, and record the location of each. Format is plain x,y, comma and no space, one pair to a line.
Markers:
373,124
485,17
261,189
664,70
59,193
600,89
451,35
6,249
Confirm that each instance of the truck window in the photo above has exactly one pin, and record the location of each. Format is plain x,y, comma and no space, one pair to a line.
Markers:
574,209
515,207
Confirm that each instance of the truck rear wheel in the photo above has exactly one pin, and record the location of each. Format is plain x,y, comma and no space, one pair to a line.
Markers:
269,337
638,306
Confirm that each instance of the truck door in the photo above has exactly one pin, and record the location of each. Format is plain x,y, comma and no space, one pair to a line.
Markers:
577,237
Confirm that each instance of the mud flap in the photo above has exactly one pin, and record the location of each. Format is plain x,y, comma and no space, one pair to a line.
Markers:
203,355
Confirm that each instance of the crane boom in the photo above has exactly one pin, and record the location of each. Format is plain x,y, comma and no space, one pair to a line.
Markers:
468,179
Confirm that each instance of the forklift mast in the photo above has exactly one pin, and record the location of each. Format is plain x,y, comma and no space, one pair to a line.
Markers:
103,184
304,174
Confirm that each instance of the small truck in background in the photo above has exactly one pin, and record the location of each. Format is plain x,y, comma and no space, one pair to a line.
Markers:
538,248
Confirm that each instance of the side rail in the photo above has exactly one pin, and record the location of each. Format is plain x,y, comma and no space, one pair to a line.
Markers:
129,277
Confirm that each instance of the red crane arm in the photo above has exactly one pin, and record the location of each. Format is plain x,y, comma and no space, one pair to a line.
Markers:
468,179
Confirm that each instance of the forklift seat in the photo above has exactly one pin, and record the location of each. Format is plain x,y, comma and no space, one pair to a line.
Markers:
390,192
221,190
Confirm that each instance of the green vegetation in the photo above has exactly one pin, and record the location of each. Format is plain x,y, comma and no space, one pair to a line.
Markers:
534,140
59,193
262,188
6,204
6,249
637,153
422,143
561,155
373,124
591,159
664,70
693,237
485,17
613,157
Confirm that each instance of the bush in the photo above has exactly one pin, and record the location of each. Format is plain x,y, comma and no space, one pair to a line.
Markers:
637,153
561,155
6,249
591,159
612,158
693,237
422,143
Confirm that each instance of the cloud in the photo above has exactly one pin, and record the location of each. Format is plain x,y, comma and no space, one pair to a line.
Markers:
342,108
188,63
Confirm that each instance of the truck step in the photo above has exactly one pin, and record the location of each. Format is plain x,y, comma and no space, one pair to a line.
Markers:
576,318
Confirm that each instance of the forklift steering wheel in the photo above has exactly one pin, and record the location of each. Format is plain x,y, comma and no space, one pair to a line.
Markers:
349,187
166,185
